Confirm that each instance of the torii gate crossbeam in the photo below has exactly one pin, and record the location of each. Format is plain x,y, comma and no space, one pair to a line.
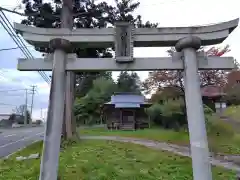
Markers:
139,64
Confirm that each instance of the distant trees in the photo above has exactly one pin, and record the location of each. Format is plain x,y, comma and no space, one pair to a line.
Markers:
129,82
233,96
19,113
232,88
167,90
87,109
39,122
20,109
158,79
12,118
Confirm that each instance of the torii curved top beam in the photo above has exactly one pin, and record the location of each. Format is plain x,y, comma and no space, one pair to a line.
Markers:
143,37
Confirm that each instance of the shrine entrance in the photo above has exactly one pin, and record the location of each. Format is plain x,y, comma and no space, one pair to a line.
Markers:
128,116
186,40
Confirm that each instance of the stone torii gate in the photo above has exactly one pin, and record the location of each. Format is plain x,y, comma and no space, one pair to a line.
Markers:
187,40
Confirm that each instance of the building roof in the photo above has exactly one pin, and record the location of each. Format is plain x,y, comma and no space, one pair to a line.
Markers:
127,100
4,116
206,91
212,91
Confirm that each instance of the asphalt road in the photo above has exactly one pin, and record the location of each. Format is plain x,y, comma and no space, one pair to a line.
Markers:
13,139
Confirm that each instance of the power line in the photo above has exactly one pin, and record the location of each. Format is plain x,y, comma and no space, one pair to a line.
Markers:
33,92
15,90
10,30
7,90
8,27
7,49
13,95
26,105
4,104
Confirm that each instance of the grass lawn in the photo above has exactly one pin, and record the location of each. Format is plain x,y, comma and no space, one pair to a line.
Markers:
152,134
233,112
216,143
107,160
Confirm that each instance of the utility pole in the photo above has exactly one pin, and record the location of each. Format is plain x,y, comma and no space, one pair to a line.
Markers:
33,92
26,105
41,115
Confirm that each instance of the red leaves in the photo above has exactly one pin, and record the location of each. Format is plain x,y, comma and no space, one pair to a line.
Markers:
216,51
158,79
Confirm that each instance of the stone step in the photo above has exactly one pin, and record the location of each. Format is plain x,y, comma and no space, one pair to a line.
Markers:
127,127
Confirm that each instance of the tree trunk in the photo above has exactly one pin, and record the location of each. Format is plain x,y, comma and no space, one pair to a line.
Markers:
73,121
69,125
182,88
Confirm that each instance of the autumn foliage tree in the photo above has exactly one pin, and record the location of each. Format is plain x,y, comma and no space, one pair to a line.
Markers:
233,87
216,77
159,79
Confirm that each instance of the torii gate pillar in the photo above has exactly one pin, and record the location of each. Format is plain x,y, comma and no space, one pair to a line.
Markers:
194,106
55,117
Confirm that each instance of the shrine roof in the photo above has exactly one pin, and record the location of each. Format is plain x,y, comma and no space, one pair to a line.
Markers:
212,91
127,100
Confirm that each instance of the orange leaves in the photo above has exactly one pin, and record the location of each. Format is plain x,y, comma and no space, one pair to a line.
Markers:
217,51
158,79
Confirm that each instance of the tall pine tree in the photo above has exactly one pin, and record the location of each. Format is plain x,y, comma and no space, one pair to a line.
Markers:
86,14
129,82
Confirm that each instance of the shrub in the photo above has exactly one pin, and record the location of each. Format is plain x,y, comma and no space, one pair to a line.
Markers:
207,110
154,112
171,107
173,115
219,128
232,112
233,97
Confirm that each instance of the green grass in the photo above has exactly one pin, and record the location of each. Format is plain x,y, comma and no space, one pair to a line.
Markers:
218,144
223,138
233,112
153,134
107,160
225,145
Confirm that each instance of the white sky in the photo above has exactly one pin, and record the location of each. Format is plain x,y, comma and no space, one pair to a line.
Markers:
165,12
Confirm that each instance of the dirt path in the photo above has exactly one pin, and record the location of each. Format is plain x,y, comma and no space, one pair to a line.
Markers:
225,162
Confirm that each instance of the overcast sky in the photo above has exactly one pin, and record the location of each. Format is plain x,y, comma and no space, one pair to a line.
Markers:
165,12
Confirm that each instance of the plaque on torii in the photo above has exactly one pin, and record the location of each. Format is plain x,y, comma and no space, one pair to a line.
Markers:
124,33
